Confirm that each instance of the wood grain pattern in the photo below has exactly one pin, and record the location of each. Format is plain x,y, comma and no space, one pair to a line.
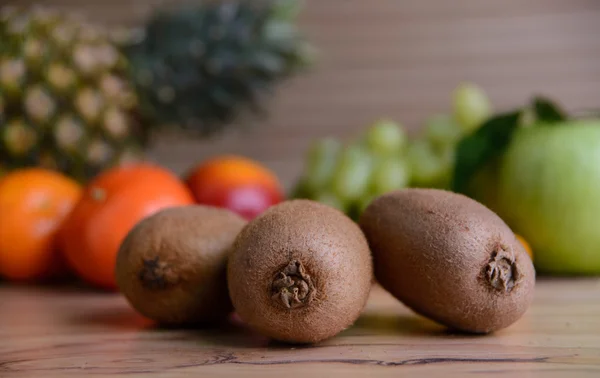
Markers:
399,58
63,333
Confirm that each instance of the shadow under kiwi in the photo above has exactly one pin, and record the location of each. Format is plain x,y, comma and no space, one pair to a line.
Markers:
408,325
400,325
56,285
231,336
114,318
230,332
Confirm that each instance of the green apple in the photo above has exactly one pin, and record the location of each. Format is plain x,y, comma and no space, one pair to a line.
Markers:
483,186
549,192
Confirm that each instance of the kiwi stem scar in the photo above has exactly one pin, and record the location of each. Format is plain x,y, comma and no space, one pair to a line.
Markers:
157,275
501,271
292,287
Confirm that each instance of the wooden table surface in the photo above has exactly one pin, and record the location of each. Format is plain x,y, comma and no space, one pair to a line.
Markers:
69,332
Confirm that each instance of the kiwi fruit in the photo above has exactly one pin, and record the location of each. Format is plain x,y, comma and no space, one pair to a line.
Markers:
449,258
171,267
300,272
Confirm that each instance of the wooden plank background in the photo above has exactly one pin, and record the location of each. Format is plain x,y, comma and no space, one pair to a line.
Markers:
399,58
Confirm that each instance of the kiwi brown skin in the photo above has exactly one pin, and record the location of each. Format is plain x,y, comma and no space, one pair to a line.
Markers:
449,258
300,272
171,267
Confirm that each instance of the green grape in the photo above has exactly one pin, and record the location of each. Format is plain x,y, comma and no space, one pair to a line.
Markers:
330,199
385,137
390,174
442,130
446,155
427,168
321,163
471,106
443,134
353,173
301,189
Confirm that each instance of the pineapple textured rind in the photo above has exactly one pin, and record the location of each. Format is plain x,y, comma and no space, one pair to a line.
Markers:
66,102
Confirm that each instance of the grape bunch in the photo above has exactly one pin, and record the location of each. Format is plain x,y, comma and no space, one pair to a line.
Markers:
384,158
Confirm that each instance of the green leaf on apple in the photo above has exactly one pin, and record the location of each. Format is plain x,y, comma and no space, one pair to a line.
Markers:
475,150
547,111
493,137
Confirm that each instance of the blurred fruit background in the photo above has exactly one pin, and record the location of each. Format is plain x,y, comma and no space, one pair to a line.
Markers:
398,59
338,101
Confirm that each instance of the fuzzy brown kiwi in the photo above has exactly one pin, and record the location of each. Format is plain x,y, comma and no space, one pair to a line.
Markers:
171,267
300,272
449,258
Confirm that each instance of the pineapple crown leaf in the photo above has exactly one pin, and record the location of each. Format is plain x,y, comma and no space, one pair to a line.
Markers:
200,66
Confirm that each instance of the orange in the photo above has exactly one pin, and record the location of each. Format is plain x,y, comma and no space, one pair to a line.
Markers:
112,204
33,204
236,183
525,245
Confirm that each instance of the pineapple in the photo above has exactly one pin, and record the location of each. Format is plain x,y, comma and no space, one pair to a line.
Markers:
201,66
77,98
65,100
